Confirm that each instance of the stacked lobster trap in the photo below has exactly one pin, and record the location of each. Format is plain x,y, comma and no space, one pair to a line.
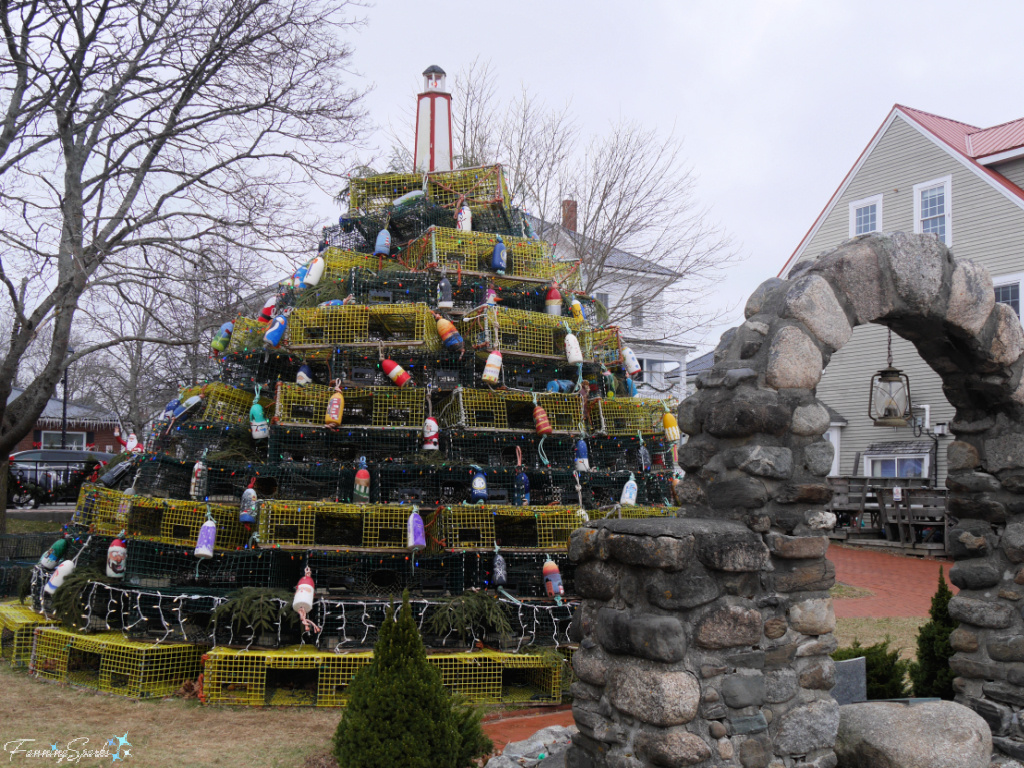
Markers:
429,404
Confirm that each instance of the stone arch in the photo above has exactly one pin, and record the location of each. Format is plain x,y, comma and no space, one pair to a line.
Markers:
725,611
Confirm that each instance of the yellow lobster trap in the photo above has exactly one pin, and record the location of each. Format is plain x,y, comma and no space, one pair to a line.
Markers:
384,407
301,524
172,521
304,676
247,336
457,249
222,402
482,526
374,193
380,325
338,263
483,189
518,332
604,345
108,662
484,409
18,624
628,415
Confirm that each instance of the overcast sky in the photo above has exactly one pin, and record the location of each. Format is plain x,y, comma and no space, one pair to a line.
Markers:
775,99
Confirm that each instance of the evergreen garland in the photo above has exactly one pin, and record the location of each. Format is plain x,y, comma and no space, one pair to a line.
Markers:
256,610
476,612
931,674
68,603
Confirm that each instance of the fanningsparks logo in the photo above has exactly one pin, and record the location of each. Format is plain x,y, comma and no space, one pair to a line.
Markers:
116,748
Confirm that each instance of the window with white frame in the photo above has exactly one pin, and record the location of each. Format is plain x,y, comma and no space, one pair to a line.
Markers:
74,440
933,207
896,466
1007,289
866,215
603,298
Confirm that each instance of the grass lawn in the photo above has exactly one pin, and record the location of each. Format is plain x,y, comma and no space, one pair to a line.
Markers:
164,733
32,526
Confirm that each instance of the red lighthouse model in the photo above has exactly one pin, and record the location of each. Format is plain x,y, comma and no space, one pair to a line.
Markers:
433,124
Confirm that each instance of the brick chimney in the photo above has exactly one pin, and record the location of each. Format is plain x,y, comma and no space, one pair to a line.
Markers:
569,215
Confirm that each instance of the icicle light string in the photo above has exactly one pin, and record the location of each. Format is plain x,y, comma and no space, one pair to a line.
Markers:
531,617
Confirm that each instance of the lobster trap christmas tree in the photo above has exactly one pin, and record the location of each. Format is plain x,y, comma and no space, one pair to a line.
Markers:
429,404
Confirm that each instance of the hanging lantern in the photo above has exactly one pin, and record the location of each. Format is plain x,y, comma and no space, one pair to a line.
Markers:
889,401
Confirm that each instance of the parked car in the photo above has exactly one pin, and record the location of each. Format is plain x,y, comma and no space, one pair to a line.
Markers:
50,470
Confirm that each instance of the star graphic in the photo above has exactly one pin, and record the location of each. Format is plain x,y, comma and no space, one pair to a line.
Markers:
53,747
122,741
110,742
127,753
115,757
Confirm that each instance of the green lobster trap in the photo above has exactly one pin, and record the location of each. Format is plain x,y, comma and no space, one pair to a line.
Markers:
484,409
516,332
107,662
628,415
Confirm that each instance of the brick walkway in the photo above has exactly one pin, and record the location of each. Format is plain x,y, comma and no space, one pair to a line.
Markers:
902,586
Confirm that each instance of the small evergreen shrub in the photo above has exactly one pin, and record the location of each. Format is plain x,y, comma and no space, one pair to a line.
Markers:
399,713
930,674
886,671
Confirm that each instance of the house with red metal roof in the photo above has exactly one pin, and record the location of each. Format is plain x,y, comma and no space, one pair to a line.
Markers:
928,174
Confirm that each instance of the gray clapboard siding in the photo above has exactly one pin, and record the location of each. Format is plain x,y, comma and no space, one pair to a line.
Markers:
986,227
1013,170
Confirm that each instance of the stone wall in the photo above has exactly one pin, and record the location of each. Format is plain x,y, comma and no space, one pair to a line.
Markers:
656,594
702,642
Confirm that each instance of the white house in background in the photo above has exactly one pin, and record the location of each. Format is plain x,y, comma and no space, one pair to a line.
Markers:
624,288
926,174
